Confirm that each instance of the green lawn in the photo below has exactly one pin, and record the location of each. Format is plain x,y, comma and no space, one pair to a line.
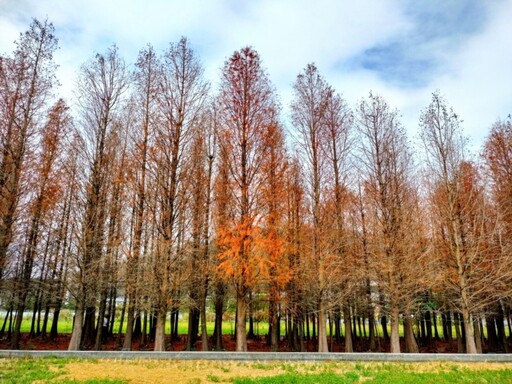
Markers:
66,324
260,328
385,377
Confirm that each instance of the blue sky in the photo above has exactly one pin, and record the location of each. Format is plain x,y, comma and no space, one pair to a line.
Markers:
412,58
401,49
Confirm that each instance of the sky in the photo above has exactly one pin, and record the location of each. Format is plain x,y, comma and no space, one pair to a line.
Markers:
403,50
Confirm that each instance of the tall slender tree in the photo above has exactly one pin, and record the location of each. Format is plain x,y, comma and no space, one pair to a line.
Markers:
336,145
308,116
296,288
498,161
445,155
181,96
224,215
146,80
247,106
26,82
46,196
101,86
386,163
498,156
272,209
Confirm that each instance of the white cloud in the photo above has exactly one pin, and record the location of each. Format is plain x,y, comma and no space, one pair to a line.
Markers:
470,65
479,82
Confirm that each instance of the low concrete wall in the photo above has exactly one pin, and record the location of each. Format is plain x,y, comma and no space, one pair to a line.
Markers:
260,356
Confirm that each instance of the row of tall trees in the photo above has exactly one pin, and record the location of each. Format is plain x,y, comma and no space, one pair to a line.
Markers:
157,194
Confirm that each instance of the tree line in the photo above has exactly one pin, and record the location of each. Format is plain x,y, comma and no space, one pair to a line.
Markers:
158,193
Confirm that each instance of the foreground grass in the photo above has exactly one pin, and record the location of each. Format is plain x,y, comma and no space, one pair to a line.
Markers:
58,370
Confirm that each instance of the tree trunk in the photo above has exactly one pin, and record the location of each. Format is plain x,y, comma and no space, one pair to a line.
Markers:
428,326
76,336
204,330
127,343
458,333
410,342
175,317
160,331
241,335
308,334
44,328
273,326
492,338
331,333
470,338
509,325
300,333
434,321
9,329
371,325
34,326
337,324
422,329
384,324
348,329
322,332
395,336
121,322
144,333
137,327
55,322
297,332
88,334
101,325
314,324
9,311
25,278
354,325
219,310
217,332
500,325
447,325
478,336
251,335
289,329
152,325
193,327
15,343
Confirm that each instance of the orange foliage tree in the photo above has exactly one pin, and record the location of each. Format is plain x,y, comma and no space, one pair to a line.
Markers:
247,108
26,81
47,193
274,243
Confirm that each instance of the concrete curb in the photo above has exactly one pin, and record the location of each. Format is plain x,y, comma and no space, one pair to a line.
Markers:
260,356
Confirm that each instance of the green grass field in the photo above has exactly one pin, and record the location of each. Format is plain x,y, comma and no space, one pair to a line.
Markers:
57,370
66,324
260,328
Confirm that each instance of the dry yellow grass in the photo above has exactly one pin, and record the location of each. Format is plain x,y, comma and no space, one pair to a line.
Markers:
163,371
172,371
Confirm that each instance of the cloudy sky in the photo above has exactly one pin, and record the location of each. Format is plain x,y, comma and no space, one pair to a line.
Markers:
401,49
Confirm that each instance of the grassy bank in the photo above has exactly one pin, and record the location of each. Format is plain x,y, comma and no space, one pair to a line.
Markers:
55,370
